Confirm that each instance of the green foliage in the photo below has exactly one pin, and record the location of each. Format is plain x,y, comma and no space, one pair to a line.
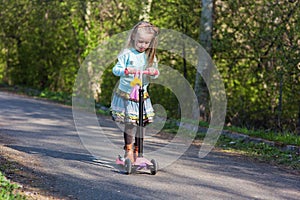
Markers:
7,190
262,152
56,96
109,82
255,47
286,138
257,55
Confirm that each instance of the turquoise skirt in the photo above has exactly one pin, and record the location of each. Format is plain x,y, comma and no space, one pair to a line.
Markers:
124,110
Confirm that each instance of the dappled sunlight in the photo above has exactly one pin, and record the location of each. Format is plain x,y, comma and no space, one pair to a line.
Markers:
68,167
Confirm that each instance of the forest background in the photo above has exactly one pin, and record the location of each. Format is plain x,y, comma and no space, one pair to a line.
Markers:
254,44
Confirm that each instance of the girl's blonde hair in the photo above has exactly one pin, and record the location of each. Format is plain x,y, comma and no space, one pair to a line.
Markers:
148,28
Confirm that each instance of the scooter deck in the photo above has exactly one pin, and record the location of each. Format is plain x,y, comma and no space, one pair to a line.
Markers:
139,162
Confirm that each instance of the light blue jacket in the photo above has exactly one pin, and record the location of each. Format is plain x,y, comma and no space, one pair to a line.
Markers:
133,59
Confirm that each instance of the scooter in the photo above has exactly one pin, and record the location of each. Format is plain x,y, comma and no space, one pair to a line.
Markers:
140,163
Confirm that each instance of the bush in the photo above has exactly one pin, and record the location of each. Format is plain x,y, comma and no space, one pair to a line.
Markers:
7,190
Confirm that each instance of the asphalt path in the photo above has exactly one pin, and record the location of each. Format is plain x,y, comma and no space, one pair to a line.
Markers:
48,133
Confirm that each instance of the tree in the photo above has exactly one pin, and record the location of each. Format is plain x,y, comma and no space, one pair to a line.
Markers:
254,44
255,48
145,15
206,28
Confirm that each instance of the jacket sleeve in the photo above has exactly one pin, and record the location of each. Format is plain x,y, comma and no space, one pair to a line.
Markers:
119,68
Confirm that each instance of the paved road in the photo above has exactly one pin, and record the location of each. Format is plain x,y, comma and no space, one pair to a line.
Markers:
47,131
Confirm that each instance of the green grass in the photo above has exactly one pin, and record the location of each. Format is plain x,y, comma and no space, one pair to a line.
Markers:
8,190
261,152
258,151
285,138
56,96
60,97
101,111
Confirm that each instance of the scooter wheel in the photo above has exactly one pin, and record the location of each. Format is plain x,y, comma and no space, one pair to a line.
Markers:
154,167
128,166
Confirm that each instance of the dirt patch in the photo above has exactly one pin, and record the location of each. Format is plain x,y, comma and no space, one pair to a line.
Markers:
24,170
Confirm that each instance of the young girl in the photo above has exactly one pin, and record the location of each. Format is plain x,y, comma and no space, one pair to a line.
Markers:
139,55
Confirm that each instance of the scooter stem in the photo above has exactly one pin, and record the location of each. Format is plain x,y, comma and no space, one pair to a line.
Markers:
140,141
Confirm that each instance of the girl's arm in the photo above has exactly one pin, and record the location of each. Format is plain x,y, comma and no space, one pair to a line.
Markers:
153,71
121,69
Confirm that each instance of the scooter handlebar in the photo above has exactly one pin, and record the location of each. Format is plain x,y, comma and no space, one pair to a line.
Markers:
149,73
141,72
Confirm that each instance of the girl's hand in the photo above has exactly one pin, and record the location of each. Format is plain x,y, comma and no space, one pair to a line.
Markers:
152,71
129,70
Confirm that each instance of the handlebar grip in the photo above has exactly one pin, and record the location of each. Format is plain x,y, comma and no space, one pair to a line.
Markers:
138,72
147,72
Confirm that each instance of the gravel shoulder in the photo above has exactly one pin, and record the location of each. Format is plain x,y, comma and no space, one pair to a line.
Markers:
23,169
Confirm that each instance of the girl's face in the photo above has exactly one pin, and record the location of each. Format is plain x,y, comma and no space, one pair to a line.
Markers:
142,41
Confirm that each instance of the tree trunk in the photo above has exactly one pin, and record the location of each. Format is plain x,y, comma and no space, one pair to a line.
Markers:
95,83
201,89
279,111
145,15
298,123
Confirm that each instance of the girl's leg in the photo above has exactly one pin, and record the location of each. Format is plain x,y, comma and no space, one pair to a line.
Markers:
128,132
